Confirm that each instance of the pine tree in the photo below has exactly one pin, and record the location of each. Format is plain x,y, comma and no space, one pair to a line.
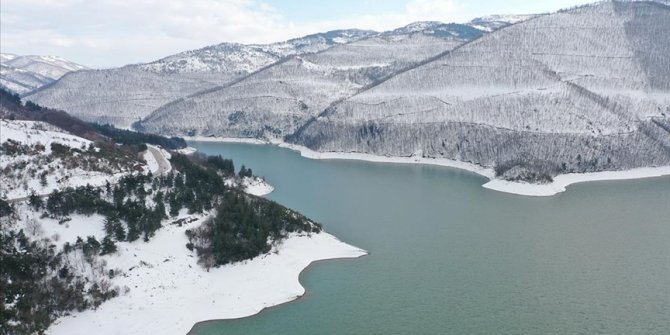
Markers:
119,231
35,202
111,223
108,246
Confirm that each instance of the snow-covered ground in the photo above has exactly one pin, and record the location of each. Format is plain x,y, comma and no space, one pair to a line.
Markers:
562,181
257,186
521,188
152,163
36,132
20,184
169,292
224,139
186,151
38,228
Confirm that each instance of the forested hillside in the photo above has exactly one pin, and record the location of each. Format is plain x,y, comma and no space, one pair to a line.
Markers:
280,98
124,95
581,90
69,204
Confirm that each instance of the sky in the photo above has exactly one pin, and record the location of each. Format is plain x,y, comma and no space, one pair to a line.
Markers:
108,33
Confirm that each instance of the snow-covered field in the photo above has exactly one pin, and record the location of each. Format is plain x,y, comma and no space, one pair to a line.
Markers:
169,292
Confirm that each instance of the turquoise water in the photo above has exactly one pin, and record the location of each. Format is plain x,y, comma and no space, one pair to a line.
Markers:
450,257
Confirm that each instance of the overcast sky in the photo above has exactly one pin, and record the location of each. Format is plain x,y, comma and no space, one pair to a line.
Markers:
106,33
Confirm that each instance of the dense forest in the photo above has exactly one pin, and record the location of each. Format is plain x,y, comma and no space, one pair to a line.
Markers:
127,137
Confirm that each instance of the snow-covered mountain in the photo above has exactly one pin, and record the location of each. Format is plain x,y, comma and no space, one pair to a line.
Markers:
277,100
23,74
244,59
494,22
124,95
585,89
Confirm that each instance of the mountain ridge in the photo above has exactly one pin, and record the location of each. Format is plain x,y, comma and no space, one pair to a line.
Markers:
23,74
453,90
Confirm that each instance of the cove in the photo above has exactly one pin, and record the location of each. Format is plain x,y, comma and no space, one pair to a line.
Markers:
448,256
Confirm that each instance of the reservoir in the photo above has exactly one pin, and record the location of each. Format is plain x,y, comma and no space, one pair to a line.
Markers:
450,257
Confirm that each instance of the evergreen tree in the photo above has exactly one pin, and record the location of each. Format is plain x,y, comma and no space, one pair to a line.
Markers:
111,223
35,202
108,246
119,231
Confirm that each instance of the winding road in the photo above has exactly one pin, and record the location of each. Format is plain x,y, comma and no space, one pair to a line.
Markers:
163,164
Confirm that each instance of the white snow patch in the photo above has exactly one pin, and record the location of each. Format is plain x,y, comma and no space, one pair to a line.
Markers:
152,163
562,181
256,186
225,139
186,151
60,233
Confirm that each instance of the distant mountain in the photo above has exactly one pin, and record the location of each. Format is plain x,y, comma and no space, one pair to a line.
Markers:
23,74
495,22
244,59
278,99
585,89
124,95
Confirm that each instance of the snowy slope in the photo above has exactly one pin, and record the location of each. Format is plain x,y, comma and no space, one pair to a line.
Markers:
23,74
23,171
162,287
582,90
494,22
124,95
169,291
280,98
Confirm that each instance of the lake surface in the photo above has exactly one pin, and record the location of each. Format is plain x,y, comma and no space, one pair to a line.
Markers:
450,257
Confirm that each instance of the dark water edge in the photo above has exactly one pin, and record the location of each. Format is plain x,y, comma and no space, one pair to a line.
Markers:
450,257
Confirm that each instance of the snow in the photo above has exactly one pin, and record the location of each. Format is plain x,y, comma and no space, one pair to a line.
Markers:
23,74
225,139
562,181
36,132
170,292
186,151
60,233
157,160
257,186
20,183
152,163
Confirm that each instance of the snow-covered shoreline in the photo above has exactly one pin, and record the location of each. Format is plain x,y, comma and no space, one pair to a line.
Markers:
170,292
519,188
257,186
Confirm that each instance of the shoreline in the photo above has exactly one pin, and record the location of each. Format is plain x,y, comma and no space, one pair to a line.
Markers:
170,292
559,185
298,298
